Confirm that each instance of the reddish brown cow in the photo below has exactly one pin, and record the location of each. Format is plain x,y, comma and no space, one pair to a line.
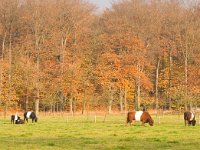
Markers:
189,117
144,117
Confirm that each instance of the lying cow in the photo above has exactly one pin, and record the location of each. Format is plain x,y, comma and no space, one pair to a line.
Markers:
30,115
14,118
19,121
144,117
189,117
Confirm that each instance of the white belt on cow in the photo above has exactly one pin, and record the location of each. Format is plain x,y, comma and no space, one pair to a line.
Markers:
138,115
28,114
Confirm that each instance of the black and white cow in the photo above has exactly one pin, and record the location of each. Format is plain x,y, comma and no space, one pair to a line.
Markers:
30,115
14,118
19,121
189,117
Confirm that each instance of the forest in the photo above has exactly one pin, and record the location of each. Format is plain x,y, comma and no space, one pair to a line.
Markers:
60,55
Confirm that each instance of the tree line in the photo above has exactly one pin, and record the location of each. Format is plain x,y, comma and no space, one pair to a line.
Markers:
60,55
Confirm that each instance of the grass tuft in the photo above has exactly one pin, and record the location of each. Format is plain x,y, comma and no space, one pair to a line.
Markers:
51,144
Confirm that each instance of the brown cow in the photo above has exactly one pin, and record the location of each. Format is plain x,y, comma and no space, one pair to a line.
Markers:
189,117
144,117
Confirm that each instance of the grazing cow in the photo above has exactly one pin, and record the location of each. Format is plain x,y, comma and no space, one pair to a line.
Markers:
144,117
189,117
14,118
30,115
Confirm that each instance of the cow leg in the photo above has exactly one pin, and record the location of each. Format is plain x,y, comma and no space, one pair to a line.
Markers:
188,123
143,123
33,119
129,122
12,119
133,121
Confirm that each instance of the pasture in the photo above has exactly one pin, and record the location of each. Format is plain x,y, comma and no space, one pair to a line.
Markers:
80,132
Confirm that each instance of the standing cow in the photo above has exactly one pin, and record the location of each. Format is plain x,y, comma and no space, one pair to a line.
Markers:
144,117
30,115
14,118
189,117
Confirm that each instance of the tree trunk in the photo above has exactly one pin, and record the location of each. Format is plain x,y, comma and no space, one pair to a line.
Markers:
83,102
110,101
1,65
186,78
74,105
121,100
137,95
156,84
9,75
26,102
37,103
5,109
71,105
125,98
170,77
37,100
110,107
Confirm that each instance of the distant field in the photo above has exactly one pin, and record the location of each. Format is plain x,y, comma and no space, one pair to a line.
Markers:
81,133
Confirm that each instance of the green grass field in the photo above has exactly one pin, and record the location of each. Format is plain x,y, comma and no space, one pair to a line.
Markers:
80,132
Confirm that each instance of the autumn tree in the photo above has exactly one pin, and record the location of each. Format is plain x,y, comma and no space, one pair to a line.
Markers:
9,22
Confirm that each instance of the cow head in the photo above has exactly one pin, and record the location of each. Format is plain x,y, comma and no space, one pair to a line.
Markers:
36,118
151,122
193,122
